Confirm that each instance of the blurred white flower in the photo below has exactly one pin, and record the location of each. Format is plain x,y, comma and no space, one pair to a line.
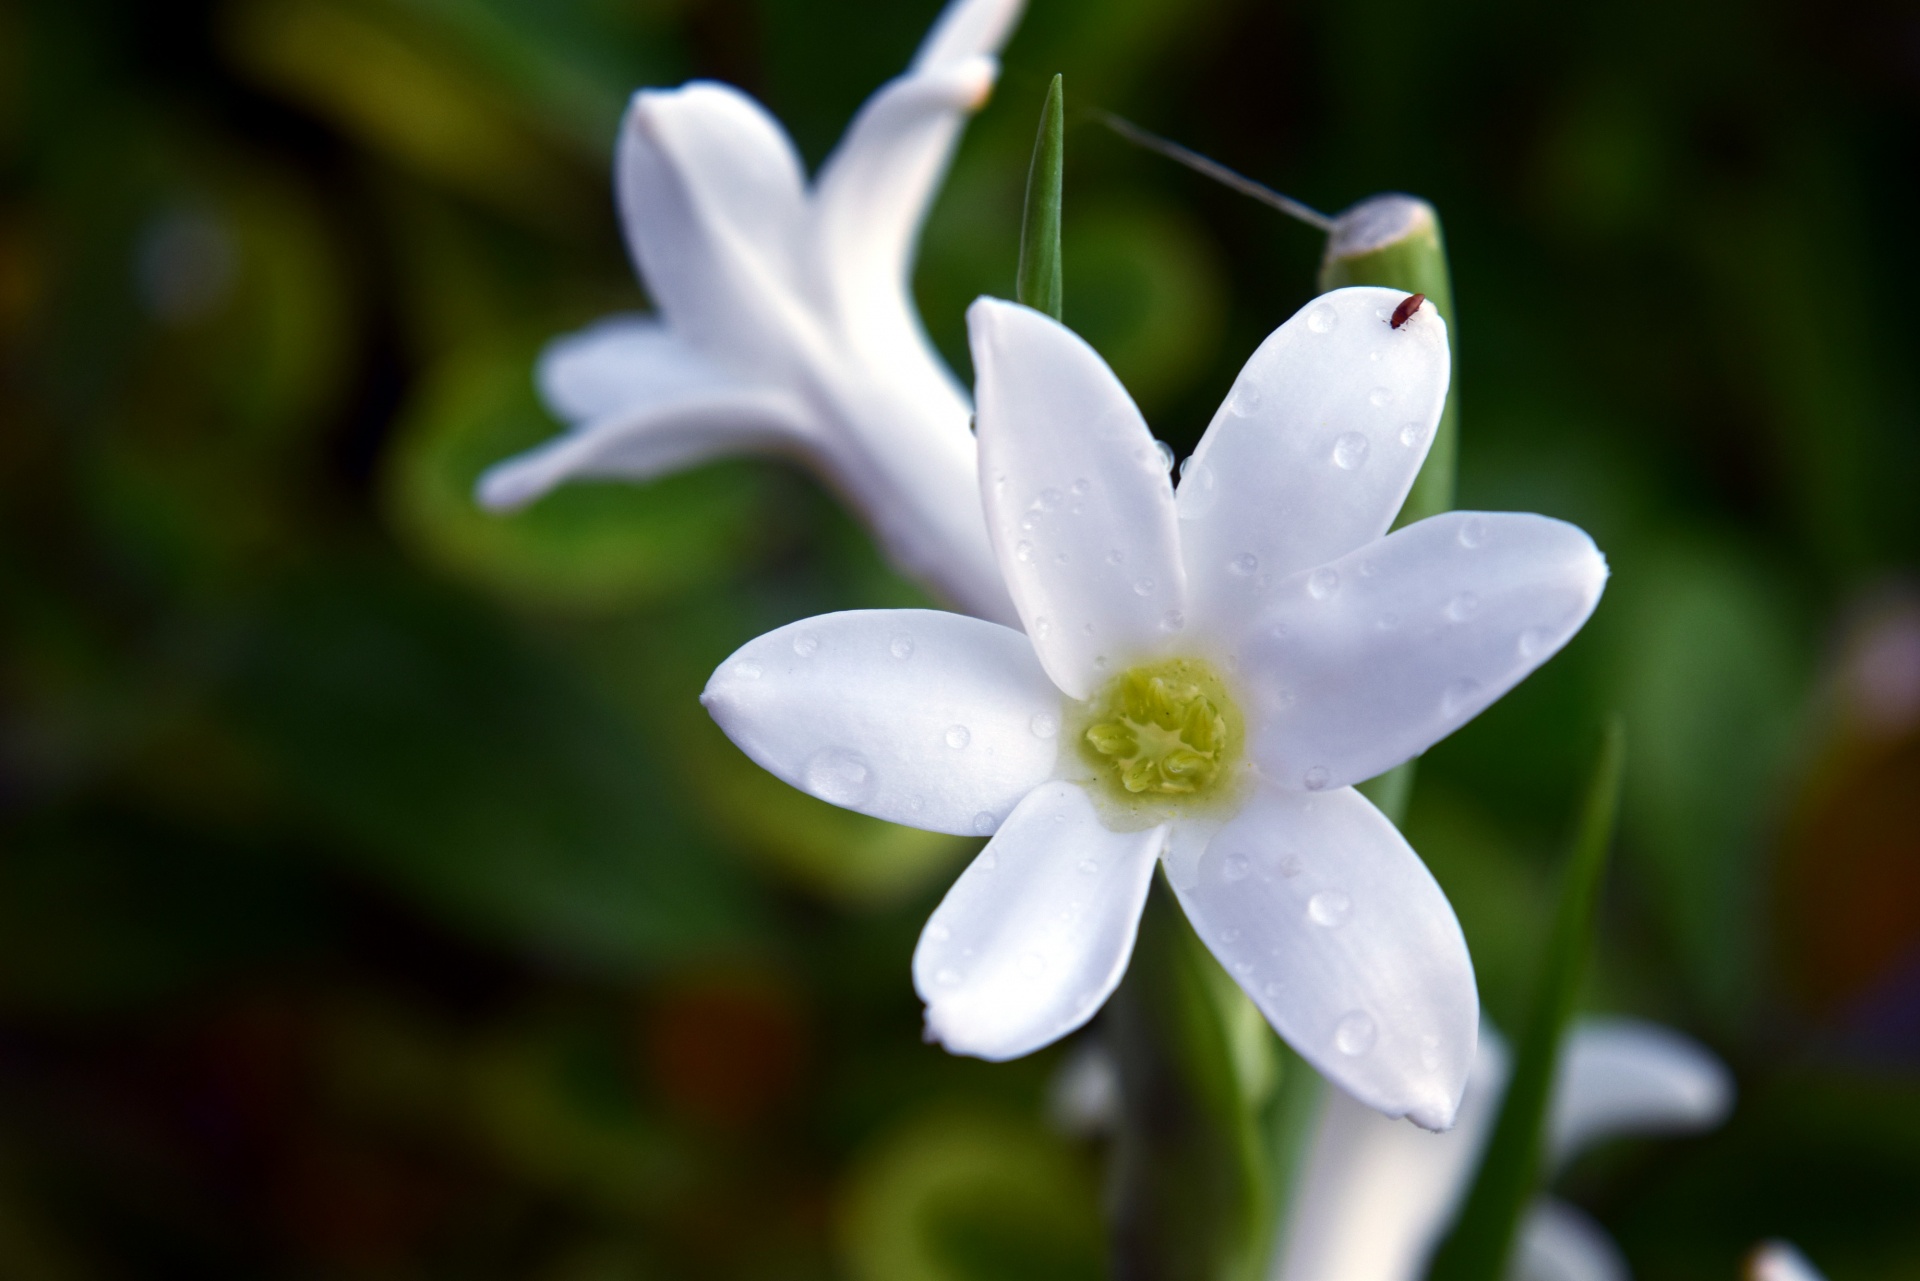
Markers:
1780,1261
1376,1197
1202,678
785,317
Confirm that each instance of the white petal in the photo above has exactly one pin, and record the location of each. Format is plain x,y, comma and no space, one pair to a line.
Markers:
935,720
968,27
1780,1261
650,439
1376,1194
1560,1242
621,362
869,202
1034,936
1366,662
1331,923
1625,1076
1078,500
713,197
1315,447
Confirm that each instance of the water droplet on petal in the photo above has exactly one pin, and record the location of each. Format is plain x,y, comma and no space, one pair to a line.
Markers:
1329,908
958,736
1272,989
1473,533
1323,582
1380,397
1244,564
1165,451
1143,587
1354,1034
1322,319
806,644
1533,642
1229,936
748,671
1316,778
901,646
1023,553
1350,450
986,824
1463,607
838,775
1236,867
1172,621
1246,399
1115,556
1412,434
1061,558
1459,695
1082,485
1430,1052
948,977
1042,628
1044,725
1050,499
1243,968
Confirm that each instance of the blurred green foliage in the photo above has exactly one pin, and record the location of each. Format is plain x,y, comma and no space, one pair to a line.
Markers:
375,901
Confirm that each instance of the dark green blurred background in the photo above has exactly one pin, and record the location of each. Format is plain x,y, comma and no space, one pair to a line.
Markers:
375,899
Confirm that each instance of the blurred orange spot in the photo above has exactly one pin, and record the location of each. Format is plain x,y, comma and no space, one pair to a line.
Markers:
726,1048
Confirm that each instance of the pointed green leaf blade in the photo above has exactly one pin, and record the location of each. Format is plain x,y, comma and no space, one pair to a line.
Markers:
1483,1238
1039,283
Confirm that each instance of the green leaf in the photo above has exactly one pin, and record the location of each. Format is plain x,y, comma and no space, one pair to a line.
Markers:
1395,241
1482,1240
1191,1194
1039,283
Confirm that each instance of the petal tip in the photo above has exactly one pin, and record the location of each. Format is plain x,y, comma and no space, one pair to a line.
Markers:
507,487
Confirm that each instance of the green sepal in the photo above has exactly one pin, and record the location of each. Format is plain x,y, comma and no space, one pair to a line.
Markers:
1039,283
1191,1196
1482,1240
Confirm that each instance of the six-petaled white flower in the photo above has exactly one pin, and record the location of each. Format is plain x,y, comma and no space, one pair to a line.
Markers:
1202,678
786,320
1376,1197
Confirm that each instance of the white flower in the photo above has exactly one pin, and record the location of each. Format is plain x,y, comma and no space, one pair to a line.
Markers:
1780,1261
1376,1197
786,322
1203,680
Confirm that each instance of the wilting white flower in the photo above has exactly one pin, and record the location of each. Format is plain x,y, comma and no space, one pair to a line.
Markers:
1201,679
1376,1197
1780,1261
786,321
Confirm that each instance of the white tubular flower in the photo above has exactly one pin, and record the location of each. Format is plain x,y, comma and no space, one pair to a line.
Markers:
1201,678
1780,1261
1376,1197
786,320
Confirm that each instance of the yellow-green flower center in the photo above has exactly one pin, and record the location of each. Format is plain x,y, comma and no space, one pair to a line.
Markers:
1165,729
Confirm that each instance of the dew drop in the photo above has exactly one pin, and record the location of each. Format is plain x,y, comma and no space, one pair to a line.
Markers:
1329,908
1244,564
958,736
948,977
986,824
1143,587
1354,1034
1316,778
1243,968
1412,434
901,646
1044,725
1458,695
1533,642
1061,558
1023,553
1197,493
1028,524
1082,485
1473,533
1273,989
806,644
1236,867
1229,936
1172,621
1463,607
1246,400
1087,866
747,671
1049,500
1323,582
1042,628
1322,319
1380,397
1430,1052
1165,451
1115,556
1350,451
838,775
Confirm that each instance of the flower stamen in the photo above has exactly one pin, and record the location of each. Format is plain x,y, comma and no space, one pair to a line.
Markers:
1159,729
